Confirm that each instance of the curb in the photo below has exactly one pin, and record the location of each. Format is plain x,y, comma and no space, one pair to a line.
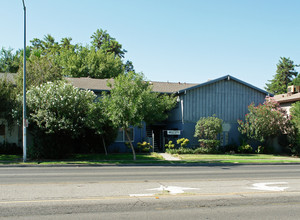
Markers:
145,164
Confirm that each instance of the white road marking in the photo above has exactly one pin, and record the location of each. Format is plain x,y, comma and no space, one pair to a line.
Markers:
140,195
173,190
266,187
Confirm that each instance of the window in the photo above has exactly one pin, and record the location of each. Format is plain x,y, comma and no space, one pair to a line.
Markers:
122,136
2,130
224,138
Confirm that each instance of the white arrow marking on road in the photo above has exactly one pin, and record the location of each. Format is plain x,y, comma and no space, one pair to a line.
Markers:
173,190
265,186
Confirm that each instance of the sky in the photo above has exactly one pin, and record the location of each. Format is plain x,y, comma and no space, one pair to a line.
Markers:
171,40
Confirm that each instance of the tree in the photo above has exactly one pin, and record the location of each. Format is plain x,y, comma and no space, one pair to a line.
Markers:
131,101
207,130
267,121
66,42
296,81
101,59
284,75
73,61
101,40
103,65
7,100
39,70
9,61
100,127
128,67
295,114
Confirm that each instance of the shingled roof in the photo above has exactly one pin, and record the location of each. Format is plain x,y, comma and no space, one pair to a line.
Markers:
98,85
287,97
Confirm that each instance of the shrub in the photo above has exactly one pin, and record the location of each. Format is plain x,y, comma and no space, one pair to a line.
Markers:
60,117
211,144
259,150
266,121
245,149
205,150
207,130
180,150
183,142
10,148
231,148
50,146
144,147
170,145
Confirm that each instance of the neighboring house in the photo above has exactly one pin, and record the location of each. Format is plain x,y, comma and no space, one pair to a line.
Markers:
226,97
286,100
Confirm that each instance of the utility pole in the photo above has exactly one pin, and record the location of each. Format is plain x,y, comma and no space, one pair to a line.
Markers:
24,89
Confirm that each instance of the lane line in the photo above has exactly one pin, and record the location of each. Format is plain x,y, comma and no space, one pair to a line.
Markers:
153,196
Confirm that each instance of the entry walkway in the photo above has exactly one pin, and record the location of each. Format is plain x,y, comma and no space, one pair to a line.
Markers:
167,156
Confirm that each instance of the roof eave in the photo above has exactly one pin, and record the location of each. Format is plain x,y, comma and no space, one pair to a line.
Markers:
228,77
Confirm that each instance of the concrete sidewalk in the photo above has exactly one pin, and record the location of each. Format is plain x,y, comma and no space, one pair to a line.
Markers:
169,157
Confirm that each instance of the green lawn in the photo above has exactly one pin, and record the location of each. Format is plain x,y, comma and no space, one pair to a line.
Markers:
155,158
4,157
110,157
230,156
237,158
88,159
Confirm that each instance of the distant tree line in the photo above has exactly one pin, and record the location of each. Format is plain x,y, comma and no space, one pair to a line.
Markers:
102,58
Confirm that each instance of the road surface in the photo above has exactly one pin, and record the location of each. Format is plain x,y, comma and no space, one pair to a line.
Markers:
151,192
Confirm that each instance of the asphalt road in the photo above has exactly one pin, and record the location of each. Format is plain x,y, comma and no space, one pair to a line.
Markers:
151,192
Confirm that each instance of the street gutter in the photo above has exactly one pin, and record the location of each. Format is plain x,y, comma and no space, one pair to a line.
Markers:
147,164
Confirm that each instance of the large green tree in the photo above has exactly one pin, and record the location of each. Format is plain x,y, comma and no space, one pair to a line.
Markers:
132,101
103,58
39,69
285,73
103,65
101,40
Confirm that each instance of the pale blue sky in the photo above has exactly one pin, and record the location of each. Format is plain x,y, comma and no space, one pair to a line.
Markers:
171,40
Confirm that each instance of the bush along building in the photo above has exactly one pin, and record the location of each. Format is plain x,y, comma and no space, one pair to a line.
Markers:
227,98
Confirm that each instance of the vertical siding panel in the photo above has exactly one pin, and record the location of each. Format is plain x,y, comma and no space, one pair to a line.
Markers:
197,105
192,105
202,103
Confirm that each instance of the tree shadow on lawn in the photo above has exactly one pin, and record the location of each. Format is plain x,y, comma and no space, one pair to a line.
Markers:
112,157
4,157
